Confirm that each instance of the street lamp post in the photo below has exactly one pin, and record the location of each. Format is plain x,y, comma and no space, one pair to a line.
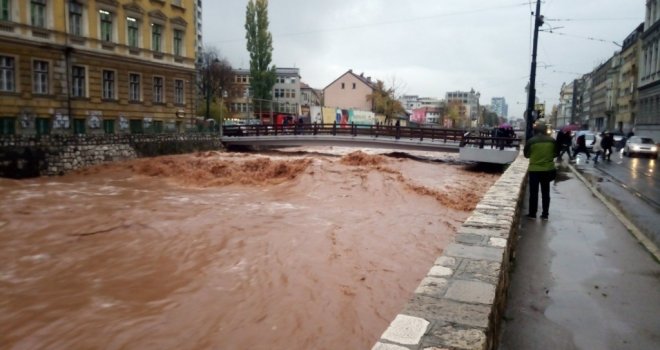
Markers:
222,106
538,22
209,68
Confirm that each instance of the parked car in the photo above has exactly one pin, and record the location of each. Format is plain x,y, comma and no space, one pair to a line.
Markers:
589,138
640,145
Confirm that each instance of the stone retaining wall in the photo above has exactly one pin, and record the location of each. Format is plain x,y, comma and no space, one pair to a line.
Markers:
460,303
29,156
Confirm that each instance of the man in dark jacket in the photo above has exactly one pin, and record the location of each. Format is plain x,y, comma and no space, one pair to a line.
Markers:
541,151
564,144
582,147
606,143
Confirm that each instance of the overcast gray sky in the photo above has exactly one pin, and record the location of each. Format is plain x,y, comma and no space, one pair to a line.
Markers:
430,47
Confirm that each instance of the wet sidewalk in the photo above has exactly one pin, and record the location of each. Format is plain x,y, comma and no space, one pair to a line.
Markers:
581,280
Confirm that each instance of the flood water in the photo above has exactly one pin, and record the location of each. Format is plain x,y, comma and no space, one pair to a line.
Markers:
224,250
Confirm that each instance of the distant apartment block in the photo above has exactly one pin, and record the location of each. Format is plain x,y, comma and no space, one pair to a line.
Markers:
286,94
468,101
413,102
498,105
647,121
309,97
427,115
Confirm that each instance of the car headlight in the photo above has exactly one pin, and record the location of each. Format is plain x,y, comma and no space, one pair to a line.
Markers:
636,148
654,149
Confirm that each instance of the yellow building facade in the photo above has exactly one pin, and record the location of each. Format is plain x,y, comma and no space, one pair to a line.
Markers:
96,66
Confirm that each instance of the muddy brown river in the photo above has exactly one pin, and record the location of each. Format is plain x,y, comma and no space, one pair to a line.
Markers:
224,250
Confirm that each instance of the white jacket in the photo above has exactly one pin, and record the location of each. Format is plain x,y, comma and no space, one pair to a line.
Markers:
597,147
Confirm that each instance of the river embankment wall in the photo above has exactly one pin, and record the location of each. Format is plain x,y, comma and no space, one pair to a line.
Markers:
30,156
459,304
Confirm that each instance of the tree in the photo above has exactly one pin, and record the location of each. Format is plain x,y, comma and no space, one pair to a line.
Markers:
216,76
384,102
260,47
453,113
491,119
216,112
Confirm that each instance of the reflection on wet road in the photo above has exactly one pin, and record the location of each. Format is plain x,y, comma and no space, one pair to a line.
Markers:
224,251
637,174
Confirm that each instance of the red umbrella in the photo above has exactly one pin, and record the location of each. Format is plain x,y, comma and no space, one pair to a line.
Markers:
570,127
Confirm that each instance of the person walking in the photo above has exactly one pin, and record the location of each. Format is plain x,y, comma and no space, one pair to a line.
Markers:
607,143
564,145
597,147
582,147
541,151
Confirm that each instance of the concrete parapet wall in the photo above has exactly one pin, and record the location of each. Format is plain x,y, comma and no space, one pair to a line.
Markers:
459,304
29,156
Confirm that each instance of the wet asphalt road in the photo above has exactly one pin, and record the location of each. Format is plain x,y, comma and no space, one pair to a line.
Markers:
581,280
631,184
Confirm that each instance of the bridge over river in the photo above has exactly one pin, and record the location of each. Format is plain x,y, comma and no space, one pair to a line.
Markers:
479,147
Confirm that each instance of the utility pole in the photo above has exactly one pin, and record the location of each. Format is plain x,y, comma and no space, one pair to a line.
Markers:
538,22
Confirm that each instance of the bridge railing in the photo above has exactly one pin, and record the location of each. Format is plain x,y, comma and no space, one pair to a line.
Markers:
485,141
389,131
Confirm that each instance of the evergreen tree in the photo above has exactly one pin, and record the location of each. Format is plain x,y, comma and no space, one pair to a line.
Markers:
260,47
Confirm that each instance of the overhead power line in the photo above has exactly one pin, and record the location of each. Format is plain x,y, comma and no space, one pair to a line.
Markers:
582,37
591,19
397,21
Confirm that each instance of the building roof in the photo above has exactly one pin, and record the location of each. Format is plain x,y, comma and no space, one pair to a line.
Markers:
366,80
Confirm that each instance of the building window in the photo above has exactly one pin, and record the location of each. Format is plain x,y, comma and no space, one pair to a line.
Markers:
133,32
134,87
109,84
38,13
109,126
342,85
353,86
5,10
40,77
78,81
178,42
42,125
156,31
7,125
158,90
106,25
79,126
75,18
7,73
178,92
176,2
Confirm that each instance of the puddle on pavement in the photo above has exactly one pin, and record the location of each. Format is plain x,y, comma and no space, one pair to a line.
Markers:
562,173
